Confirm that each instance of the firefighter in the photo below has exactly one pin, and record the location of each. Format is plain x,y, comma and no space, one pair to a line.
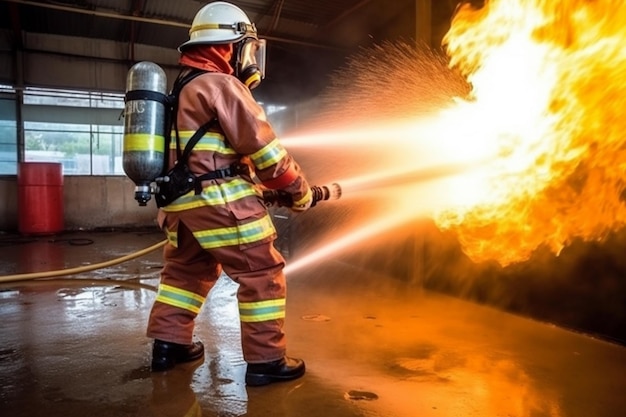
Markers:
225,226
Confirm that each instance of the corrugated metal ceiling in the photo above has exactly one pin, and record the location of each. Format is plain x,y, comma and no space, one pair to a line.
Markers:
290,21
303,35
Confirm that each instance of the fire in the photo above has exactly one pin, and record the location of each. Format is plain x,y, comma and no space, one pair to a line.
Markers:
548,97
514,141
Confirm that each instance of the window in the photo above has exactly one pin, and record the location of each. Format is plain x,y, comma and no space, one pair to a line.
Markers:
8,132
83,149
81,130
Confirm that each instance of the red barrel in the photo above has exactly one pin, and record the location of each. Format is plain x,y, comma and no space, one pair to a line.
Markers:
40,198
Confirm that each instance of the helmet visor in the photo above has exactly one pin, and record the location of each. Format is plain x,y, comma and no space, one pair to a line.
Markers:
252,54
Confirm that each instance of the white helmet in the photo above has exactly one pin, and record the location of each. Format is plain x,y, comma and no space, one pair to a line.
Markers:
218,23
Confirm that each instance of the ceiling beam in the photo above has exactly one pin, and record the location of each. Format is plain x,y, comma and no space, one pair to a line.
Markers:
114,15
347,13
137,10
16,25
278,8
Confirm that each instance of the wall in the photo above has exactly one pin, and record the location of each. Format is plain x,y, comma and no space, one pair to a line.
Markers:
89,203
108,201
8,204
56,61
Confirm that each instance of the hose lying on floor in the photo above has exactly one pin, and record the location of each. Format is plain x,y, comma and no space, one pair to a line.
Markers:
78,270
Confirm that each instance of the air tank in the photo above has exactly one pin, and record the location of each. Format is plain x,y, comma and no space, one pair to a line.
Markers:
145,116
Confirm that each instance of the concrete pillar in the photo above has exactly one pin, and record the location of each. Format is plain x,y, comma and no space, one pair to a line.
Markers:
19,104
423,21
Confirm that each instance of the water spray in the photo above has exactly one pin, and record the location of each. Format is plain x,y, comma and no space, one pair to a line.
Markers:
320,193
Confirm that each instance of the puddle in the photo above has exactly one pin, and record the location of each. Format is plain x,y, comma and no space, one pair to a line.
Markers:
360,395
70,292
315,317
9,293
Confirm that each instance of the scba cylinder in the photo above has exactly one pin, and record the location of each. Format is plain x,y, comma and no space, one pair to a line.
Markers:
144,126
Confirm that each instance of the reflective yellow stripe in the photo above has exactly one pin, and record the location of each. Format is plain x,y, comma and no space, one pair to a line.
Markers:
184,202
143,142
211,141
214,195
304,199
205,26
172,237
236,235
180,298
262,310
269,155
239,27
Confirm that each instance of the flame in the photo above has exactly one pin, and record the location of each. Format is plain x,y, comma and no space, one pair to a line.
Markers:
548,98
514,142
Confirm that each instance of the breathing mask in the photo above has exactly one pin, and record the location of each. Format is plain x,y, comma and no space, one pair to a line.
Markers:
249,62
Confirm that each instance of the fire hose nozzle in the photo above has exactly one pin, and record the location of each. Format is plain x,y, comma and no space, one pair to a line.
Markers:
320,193
325,192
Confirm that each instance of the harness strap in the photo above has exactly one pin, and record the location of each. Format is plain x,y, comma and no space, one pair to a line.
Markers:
147,95
184,77
233,170
194,140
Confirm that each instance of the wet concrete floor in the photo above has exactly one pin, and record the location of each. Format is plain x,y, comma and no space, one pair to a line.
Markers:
76,346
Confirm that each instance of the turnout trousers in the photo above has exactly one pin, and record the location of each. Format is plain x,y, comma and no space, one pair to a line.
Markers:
189,273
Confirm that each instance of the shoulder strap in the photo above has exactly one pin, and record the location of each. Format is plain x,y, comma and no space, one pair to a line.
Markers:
194,139
184,77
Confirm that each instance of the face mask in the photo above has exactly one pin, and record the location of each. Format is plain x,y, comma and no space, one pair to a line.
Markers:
250,65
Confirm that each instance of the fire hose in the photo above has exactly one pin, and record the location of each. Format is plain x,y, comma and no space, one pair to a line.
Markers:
320,193
78,270
271,197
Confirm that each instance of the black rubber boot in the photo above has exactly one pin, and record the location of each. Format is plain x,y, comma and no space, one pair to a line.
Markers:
166,355
284,369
